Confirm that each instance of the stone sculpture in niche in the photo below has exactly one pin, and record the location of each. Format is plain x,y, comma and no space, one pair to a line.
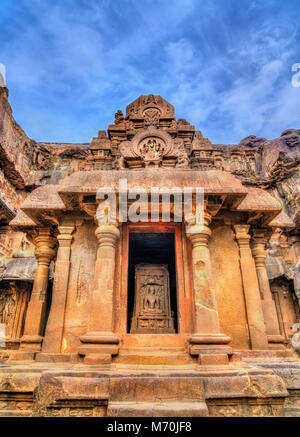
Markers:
152,309
153,148
151,151
8,300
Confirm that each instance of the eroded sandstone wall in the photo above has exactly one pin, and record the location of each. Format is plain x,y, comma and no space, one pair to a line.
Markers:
228,284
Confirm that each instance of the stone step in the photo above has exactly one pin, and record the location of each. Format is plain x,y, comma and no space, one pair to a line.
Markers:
147,356
155,388
266,354
14,413
157,409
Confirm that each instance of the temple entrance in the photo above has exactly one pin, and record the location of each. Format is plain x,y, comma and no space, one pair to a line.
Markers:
152,288
287,305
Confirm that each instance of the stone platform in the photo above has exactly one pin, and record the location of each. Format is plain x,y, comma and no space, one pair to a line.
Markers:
176,388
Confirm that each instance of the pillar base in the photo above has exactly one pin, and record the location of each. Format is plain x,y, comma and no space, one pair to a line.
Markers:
210,348
213,359
197,349
98,347
276,342
98,337
209,339
32,343
97,358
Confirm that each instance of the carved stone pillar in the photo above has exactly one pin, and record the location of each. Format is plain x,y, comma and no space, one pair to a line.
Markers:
206,326
54,330
258,243
100,343
255,316
36,311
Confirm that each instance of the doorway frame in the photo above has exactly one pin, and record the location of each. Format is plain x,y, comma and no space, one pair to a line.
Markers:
183,289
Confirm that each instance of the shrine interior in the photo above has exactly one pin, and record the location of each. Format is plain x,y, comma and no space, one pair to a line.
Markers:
151,248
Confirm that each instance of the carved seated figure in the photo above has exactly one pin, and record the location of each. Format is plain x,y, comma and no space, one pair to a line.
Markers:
151,300
152,152
152,310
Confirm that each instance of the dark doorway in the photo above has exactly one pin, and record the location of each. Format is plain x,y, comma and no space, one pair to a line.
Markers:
151,248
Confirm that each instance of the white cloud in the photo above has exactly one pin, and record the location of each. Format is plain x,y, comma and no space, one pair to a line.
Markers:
225,69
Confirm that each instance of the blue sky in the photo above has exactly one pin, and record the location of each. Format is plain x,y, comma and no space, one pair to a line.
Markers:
224,64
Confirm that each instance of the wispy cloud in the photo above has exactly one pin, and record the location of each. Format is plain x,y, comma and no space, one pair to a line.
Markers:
225,65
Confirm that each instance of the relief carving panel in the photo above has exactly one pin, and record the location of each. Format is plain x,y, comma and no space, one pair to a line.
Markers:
13,304
152,308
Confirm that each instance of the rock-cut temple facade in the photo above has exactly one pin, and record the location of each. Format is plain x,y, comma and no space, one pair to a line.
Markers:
148,317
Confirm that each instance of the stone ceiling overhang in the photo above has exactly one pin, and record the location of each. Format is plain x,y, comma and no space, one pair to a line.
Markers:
44,197
22,222
262,203
214,182
41,207
282,220
46,204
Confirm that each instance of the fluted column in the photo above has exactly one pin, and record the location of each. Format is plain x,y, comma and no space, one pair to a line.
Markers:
54,330
206,323
100,343
255,316
36,311
258,244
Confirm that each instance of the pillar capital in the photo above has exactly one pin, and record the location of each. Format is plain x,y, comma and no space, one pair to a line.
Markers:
199,234
44,237
65,236
107,234
261,235
258,246
44,254
45,246
66,229
242,234
191,218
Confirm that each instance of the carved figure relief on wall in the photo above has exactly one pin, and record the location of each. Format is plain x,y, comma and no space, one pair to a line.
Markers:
151,151
13,304
8,300
152,309
153,148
